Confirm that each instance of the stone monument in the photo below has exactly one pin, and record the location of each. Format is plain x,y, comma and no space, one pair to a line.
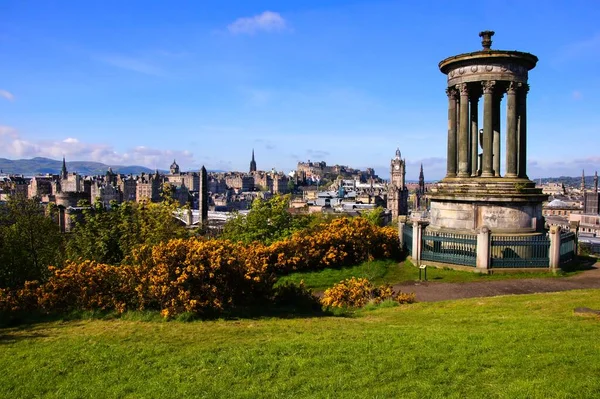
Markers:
474,194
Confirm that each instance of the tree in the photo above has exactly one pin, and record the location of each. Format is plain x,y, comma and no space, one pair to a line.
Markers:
111,235
267,221
291,185
374,216
30,241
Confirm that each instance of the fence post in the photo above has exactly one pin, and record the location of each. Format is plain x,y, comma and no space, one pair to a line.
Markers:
574,227
401,227
416,244
483,249
554,254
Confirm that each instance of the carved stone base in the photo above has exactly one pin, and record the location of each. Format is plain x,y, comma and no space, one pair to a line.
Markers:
505,206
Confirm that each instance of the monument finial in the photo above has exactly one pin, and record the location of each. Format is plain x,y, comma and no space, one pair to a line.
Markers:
486,39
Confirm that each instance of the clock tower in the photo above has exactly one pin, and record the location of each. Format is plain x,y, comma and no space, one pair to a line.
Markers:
398,171
397,199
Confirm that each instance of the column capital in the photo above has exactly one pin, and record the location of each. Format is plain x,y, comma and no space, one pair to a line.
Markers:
524,88
488,86
463,88
452,93
513,87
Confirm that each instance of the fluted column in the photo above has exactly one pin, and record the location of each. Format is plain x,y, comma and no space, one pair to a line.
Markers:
522,135
463,135
497,98
474,135
487,159
451,161
511,129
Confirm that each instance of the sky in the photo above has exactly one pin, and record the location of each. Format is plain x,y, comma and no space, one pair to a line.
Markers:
346,82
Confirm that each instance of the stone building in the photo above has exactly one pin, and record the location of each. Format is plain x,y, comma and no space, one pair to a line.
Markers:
128,187
240,182
148,187
43,186
13,185
105,192
191,180
280,183
217,184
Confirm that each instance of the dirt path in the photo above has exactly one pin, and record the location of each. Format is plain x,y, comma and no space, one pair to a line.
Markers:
433,292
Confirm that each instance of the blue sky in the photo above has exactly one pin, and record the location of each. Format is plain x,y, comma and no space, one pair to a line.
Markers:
143,82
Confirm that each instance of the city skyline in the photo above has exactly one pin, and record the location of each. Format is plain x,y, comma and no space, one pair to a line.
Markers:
346,83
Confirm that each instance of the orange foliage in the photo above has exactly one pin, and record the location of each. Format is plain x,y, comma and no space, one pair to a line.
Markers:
203,276
357,292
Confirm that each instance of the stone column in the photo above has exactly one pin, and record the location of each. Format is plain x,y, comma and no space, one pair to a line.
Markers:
463,136
511,129
487,166
554,251
451,162
496,128
474,136
483,249
522,135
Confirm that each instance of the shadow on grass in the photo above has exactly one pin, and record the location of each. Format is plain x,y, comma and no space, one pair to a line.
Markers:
581,263
11,338
16,323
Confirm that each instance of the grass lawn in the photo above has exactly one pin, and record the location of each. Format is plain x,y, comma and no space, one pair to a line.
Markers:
392,272
530,346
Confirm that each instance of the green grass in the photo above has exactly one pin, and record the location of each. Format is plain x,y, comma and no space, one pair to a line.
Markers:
529,346
392,272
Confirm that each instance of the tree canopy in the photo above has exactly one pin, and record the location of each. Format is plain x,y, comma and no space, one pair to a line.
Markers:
267,221
29,241
110,235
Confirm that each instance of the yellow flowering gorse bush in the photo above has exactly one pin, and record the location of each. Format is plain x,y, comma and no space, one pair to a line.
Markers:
203,275
357,292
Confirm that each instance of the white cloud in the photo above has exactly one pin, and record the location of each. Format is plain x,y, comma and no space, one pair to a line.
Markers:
268,21
586,48
131,64
7,131
7,95
569,167
12,145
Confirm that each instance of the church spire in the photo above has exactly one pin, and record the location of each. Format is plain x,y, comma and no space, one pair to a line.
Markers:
63,172
421,181
398,156
253,163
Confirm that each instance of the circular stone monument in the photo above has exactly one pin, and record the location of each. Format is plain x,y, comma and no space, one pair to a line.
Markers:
474,194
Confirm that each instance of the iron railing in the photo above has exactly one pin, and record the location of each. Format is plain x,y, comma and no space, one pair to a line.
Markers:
567,247
458,249
407,239
519,251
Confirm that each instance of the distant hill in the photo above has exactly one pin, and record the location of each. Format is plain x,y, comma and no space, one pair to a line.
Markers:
39,165
568,181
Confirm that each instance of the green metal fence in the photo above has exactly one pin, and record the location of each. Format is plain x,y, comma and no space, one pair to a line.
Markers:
407,238
519,251
589,248
567,247
458,249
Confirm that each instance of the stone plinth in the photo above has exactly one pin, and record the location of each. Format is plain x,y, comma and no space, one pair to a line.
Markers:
505,206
